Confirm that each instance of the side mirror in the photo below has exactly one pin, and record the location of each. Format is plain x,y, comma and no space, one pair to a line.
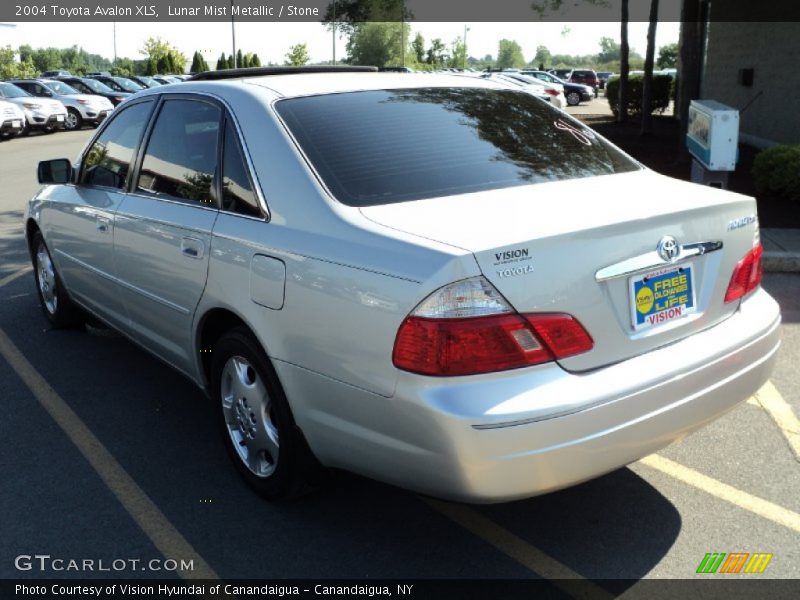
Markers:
58,170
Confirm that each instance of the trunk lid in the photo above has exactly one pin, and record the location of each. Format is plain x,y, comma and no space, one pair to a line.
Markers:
582,246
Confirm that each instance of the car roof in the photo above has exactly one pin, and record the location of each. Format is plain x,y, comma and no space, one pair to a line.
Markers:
308,84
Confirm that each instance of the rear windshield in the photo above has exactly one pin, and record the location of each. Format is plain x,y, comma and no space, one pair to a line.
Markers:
387,146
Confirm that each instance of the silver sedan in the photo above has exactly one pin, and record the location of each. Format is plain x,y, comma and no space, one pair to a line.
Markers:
406,276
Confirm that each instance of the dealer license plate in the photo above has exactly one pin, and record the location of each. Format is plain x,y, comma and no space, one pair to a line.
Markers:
662,296
59,117
16,124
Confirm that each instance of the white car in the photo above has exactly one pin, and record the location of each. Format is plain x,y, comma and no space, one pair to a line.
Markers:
550,92
40,113
81,108
434,280
12,119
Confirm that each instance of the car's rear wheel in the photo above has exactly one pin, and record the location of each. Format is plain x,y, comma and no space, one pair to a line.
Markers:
573,98
53,297
256,422
73,120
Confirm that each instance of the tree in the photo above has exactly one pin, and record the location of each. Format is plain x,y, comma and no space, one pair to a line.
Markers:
11,69
378,44
255,61
509,55
667,56
156,49
222,62
542,57
458,54
436,54
230,62
418,48
609,50
239,59
647,87
352,15
297,55
624,66
199,63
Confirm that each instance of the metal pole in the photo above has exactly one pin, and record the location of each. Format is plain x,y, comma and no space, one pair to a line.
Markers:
334,32
115,43
233,37
464,65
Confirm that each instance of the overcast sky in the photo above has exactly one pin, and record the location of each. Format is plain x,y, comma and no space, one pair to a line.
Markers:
272,40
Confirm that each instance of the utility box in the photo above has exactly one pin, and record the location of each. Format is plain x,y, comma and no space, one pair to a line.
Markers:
713,134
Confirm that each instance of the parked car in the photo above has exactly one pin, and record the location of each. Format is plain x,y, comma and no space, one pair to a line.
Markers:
602,77
144,81
405,276
575,93
57,73
553,92
12,120
585,77
87,85
40,114
561,73
118,84
81,108
166,79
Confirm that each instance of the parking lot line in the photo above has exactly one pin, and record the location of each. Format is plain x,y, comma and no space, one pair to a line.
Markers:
541,563
771,400
134,499
754,504
17,274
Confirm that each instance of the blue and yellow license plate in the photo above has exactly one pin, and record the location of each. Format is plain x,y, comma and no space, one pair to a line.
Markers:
662,296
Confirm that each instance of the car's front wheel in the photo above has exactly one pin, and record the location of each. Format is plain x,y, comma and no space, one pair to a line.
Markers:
257,424
53,297
573,98
73,120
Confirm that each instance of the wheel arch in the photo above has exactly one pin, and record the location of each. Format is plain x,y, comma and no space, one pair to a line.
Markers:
31,229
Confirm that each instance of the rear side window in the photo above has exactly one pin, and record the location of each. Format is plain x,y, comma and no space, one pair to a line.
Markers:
237,191
386,146
108,160
181,156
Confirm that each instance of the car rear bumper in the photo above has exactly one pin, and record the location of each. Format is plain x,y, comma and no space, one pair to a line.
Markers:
504,436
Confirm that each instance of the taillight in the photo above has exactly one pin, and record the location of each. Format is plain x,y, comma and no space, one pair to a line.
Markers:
467,328
746,275
551,91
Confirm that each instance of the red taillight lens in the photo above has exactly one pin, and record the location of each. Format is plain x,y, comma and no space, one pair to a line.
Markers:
551,91
486,344
746,276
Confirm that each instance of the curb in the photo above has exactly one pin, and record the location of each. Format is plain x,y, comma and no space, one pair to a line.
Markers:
781,262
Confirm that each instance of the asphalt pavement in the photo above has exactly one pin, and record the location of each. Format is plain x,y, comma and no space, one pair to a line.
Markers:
110,455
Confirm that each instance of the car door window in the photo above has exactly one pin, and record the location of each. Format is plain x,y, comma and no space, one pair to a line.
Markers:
108,160
238,194
181,156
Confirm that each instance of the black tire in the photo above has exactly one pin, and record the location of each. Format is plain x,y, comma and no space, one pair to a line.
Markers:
53,297
255,420
573,98
74,121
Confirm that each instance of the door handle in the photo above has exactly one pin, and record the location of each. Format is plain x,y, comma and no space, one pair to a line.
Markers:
192,247
102,224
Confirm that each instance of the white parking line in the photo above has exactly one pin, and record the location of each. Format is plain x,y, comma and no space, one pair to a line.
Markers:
134,499
754,504
781,412
9,278
513,546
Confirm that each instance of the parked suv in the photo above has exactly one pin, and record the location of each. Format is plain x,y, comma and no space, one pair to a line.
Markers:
585,77
40,113
575,93
81,108
12,119
118,84
87,85
403,275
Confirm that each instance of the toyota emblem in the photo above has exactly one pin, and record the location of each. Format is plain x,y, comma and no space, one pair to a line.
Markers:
668,248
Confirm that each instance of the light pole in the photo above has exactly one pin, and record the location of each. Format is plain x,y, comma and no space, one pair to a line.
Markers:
464,65
233,37
333,33
115,43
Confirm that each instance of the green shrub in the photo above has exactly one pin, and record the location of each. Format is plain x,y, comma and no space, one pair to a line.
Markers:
777,171
662,90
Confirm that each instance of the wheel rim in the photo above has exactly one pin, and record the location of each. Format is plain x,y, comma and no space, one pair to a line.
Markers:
71,120
573,98
249,416
46,277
